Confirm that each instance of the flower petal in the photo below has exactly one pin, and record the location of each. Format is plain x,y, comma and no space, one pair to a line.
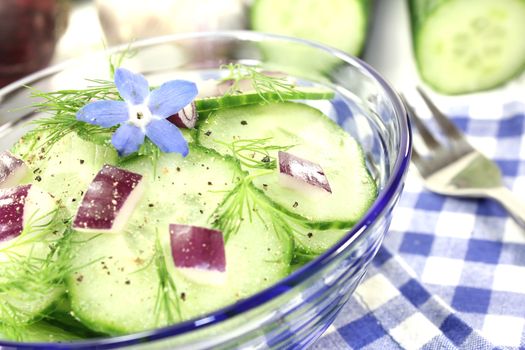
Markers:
133,88
127,139
171,97
167,137
104,113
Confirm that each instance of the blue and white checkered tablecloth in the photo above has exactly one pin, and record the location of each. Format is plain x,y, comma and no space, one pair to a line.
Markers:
451,272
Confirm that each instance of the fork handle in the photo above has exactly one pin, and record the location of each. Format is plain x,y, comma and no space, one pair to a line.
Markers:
510,201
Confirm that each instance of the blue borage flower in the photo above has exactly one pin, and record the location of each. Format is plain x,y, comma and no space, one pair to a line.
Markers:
142,113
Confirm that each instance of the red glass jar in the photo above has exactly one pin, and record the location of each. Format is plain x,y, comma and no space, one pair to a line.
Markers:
29,31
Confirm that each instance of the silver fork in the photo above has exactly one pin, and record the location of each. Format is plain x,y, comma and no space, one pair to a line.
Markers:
456,168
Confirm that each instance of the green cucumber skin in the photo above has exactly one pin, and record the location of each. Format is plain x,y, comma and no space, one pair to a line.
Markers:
365,8
419,12
212,103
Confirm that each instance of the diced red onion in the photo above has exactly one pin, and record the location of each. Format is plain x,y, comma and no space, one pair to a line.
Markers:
22,205
186,117
302,170
12,170
109,200
198,253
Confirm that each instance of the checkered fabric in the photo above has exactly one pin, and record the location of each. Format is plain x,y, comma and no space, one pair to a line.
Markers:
451,272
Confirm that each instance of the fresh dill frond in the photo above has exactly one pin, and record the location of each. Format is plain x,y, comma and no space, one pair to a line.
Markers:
255,153
71,100
115,60
167,303
229,215
245,203
29,277
36,231
63,105
260,81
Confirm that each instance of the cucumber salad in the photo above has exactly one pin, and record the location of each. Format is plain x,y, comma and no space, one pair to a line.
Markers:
129,207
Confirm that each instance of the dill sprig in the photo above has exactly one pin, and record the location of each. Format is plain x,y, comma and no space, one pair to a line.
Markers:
36,231
28,278
229,215
255,153
63,105
115,60
167,302
262,83
245,203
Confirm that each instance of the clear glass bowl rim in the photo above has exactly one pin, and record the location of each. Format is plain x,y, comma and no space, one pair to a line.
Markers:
386,196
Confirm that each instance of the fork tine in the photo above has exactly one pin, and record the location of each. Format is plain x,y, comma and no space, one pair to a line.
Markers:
446,125
427,137
418,161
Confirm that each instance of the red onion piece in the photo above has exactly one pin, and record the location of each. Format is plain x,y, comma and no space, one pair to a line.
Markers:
109,200
302,170
12,203
21,205
198,253
186,117
12,170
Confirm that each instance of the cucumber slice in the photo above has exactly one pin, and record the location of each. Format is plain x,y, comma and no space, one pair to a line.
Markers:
257,256
119,293
312,242
338,23
227,101
313,136
67,168
465,46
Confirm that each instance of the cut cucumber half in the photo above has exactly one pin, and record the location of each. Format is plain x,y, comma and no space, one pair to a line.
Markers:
338,23
464,46
117,290
312,136
252,97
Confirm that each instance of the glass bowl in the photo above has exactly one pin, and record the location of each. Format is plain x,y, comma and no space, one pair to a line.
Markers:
296,311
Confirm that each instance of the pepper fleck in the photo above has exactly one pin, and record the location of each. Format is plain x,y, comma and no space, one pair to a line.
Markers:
310,234
38,178
82,161
244,122
183,296
207,133
295,205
